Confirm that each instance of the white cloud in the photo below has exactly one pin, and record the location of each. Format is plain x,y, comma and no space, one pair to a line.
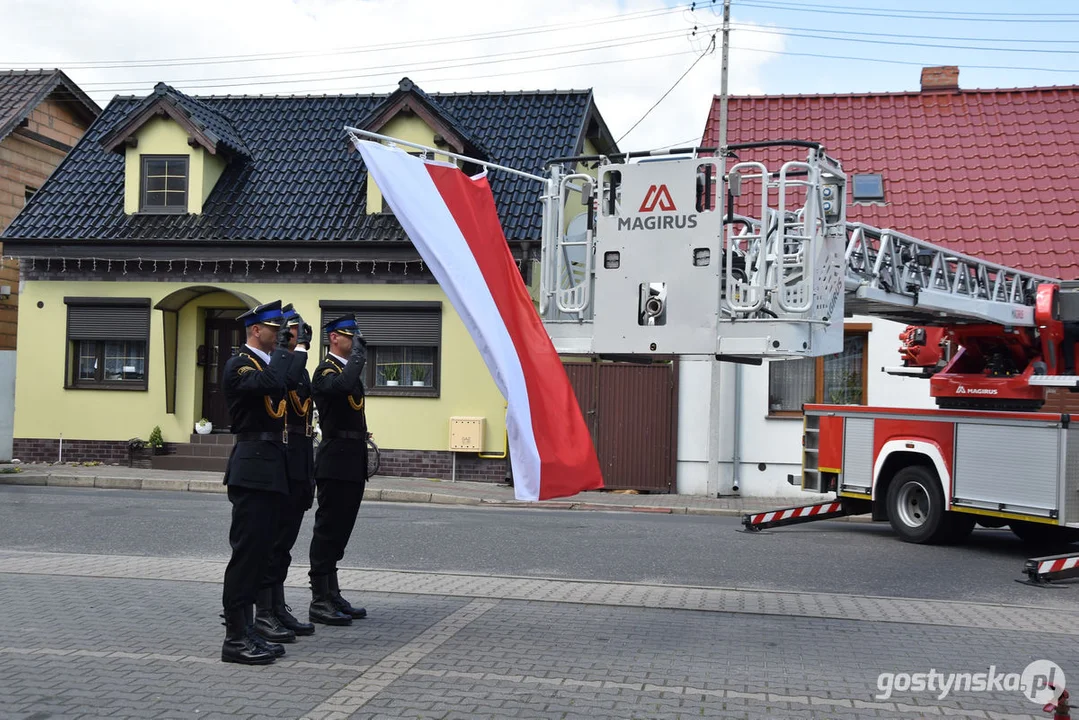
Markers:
638,67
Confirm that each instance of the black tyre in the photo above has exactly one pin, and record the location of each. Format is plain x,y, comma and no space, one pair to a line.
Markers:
916,508
1043,535
960,526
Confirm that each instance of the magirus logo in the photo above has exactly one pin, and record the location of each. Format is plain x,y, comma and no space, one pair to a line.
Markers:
659,198
657,195
960,390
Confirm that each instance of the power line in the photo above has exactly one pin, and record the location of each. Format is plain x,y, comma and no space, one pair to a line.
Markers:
711,48
900,62
846,37
306,76
1045,18
1037,41
444,40
431,81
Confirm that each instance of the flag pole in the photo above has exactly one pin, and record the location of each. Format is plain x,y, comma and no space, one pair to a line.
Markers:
396,141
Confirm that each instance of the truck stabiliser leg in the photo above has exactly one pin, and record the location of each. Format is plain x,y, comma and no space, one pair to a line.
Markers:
755,522
1042,571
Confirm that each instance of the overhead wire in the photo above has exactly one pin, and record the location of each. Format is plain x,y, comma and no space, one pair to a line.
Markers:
509,56
935,15
426,42
710,49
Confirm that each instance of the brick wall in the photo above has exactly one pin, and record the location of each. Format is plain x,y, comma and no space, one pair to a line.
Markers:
25,163
109,452
398,463
439,464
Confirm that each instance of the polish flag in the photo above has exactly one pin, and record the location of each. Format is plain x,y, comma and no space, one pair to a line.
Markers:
452,221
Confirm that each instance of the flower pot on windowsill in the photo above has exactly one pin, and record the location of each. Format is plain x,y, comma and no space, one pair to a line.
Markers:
392,383
418,383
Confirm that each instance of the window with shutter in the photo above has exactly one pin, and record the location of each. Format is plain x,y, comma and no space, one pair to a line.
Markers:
404,342
107,343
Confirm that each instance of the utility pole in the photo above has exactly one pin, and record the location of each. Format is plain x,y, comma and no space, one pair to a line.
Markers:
715,396
723,73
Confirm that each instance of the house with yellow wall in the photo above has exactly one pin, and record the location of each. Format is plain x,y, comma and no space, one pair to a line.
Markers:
43,113
174,214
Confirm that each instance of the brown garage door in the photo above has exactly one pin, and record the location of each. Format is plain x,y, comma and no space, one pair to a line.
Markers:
632,412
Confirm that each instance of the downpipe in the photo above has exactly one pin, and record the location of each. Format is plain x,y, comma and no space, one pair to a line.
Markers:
736,452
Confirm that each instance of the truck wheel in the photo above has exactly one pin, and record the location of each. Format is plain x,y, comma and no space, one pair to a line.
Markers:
916,506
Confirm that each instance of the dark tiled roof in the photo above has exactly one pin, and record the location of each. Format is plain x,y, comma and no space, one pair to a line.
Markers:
214,126
990,173
303,181
23,90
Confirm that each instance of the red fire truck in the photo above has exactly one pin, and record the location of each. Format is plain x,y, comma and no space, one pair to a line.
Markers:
661,235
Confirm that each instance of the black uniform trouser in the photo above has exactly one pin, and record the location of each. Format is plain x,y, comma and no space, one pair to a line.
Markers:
288,529
338,506
254,522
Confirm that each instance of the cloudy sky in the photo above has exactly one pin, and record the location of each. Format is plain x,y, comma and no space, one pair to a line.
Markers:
630,52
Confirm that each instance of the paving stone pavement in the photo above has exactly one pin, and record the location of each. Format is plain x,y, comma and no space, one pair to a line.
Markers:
405,489
112,636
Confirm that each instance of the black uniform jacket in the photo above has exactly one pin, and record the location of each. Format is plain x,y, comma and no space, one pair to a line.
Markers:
255,394
301,459
338,392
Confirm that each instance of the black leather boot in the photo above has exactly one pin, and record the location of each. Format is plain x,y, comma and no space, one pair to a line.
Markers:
239,647
274,648
342,604
323,610
284,613
266,622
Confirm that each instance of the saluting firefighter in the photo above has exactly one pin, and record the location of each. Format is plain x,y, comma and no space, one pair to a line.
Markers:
341,466
273,617
255,384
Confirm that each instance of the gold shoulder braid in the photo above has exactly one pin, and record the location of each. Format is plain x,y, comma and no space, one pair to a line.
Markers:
353,405
281,406
279,412
300,407
328,371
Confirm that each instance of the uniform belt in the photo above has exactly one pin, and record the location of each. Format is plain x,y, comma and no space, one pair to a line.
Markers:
279,436
300,430
344,434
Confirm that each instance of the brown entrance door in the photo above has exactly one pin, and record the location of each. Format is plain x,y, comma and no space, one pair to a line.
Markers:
632,414
224,335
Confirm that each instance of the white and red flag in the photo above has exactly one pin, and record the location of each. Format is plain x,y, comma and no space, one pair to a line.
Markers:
452,221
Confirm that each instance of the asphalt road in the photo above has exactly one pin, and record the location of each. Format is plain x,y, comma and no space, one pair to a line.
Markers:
834,557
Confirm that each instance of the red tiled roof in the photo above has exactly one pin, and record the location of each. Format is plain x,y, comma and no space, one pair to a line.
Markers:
991,173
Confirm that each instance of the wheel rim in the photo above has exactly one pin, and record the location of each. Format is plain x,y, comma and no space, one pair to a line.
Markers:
913,505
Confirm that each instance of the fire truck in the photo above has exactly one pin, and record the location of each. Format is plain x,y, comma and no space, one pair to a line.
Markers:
744,253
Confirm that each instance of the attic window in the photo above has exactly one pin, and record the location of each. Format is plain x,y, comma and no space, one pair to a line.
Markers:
163,184
869,187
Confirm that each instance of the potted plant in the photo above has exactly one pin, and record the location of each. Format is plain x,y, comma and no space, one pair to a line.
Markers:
204,426
156,441
419,375
391,372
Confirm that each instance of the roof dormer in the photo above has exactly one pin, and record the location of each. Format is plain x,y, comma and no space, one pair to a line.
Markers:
175,150
411,114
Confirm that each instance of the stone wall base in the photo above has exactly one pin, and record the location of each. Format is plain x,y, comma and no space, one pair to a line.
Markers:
398,463
106,452
439,464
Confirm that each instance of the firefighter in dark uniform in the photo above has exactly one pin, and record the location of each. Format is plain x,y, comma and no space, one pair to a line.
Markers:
255,383
273,617
340,467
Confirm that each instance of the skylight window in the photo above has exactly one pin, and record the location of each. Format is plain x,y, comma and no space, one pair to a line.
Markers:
869,187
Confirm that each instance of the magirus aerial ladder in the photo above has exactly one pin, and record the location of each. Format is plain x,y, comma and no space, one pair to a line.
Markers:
744,253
